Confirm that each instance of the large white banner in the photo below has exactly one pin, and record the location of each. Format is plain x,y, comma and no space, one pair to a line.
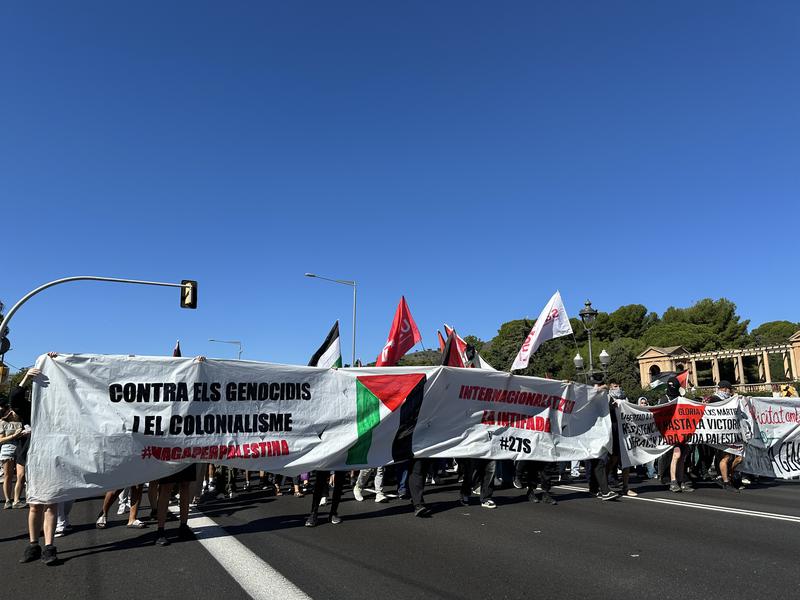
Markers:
648,432
773,449
105,422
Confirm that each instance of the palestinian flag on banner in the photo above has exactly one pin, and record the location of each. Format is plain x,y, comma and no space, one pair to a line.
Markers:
378,397
661,380
329,355
176,351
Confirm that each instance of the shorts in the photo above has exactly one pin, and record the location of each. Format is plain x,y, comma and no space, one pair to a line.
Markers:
22,450
8,451
184,475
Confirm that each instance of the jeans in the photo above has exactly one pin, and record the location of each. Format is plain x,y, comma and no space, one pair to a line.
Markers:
536,473
364,475
478,471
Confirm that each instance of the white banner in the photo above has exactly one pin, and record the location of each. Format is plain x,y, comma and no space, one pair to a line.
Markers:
648,432
105,422
774,448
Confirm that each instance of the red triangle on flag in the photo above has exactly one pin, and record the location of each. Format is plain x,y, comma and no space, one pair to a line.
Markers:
392,390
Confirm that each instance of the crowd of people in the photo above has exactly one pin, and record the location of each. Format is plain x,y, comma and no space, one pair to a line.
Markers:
201,483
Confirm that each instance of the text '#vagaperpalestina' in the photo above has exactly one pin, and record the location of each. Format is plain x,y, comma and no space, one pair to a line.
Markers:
209,392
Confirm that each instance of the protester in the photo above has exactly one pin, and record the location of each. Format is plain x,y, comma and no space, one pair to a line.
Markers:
726,461
478,472
616,395
321,484
674,465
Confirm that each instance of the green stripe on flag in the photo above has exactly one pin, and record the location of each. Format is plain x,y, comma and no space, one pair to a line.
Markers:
368,416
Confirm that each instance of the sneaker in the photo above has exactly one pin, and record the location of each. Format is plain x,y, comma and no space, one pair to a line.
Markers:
231,495
212,487
59,531
477,491
101,521
464,500
162,540
674,486
488,503
357,494
686,487
335,519
311,521
8,504
381,497
632,494
49,556
517,483
746,481
548,499
33,552
533,496
421,511
19,504
323,501
185,532
609,495
433,480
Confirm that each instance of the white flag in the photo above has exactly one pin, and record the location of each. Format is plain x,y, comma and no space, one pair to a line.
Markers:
553,322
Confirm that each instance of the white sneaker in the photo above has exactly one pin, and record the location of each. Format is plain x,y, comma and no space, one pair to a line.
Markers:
488,503
323,501
357,494
59,531
380,497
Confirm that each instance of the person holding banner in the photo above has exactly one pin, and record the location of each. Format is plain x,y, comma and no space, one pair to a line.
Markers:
726,462
674,462
617,395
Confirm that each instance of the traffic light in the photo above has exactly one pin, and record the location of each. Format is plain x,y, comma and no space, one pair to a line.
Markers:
188,293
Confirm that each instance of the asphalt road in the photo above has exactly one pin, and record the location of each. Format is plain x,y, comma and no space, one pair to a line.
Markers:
709,544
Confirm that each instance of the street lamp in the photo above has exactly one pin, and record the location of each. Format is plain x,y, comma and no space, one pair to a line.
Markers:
588,316
230,342
353,285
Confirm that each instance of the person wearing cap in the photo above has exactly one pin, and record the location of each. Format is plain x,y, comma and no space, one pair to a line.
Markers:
726,462
674,460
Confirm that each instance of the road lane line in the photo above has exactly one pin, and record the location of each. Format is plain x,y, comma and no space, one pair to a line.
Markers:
697,505
255,576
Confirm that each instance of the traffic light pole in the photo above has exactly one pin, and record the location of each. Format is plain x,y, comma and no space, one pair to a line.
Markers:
41,288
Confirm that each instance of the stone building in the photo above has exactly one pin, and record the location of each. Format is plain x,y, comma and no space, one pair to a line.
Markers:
756,369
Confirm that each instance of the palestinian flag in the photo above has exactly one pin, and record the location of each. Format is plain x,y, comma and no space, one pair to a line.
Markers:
176,351
377,397
329,355
451,356
661,380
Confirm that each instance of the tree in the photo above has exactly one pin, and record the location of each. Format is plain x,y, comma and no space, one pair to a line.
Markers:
773,332
718,315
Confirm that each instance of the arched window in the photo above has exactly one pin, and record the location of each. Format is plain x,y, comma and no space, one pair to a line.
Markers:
655,371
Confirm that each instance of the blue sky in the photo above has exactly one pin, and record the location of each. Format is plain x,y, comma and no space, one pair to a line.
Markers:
472,156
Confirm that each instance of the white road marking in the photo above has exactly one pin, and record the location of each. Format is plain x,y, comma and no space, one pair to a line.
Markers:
712,507
255,576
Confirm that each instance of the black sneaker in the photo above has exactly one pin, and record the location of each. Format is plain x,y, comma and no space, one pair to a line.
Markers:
609,495
686,487
421,511
185,532
674,486
311,521
335,519
548,499
517,483
33,551
533,496
49,556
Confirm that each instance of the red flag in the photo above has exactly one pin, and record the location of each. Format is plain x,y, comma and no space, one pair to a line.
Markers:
683,379
441,341
451,357
176,351
403,336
